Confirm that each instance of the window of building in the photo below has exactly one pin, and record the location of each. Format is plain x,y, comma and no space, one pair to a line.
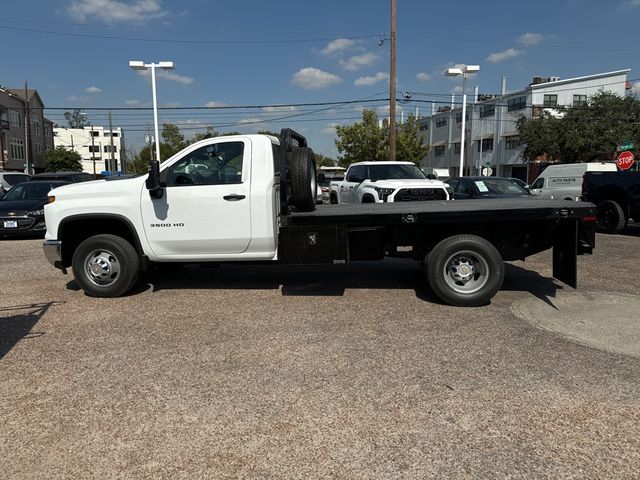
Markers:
550,101
441,122
116,134
517,103
439,151
459,117
107,149
512,142
16,148
94,149
456,147
95,133
579,100
35,124
487,111
487,144
15,118
422,126
38,148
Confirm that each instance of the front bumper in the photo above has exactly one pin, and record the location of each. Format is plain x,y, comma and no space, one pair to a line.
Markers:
53,252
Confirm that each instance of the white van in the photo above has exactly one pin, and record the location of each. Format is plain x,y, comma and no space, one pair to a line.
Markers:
564,181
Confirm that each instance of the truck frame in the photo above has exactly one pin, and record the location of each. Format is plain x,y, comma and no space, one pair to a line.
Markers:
462,245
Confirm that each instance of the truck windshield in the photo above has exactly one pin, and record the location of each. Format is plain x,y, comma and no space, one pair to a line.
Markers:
393,172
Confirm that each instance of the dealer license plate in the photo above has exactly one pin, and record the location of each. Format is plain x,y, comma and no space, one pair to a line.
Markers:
10,224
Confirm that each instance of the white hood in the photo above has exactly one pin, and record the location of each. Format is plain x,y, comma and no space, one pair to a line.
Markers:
407,183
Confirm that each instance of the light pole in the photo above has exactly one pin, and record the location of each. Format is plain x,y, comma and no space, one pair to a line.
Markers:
140,65
464,71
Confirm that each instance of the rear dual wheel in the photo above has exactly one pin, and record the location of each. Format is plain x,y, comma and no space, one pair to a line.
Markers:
465,270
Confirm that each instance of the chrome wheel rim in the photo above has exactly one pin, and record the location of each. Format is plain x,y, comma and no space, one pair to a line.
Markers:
102,267
466,272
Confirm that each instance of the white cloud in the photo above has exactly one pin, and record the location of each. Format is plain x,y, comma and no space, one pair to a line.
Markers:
283,109
214,104
424,76
636,86
117,11
172,104
132,103
530,38
168,75
631,3
456,90
311,78
77,98
330,129
338,45
251,120
359,61
371,80
92,90
504,55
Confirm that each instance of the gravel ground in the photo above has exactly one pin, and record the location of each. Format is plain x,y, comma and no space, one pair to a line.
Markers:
274,372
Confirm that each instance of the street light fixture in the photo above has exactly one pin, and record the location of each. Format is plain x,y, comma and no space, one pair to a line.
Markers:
464,71
140,65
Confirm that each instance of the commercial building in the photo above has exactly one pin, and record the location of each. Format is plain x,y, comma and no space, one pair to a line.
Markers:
14,147
491,138
101,149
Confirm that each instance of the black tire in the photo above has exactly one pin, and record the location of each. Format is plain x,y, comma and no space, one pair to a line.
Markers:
106,266
464,270
368,199
610,217
333,198
303,179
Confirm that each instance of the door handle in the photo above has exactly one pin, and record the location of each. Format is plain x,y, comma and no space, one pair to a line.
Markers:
234,197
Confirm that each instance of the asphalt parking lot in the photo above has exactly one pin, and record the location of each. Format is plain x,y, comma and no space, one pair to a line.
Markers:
348,372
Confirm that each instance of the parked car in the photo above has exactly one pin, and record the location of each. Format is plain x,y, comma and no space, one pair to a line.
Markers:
486,187
564,181
324,182
22,208
71,177
9,179
617,198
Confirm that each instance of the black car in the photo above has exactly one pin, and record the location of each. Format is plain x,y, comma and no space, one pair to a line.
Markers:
72,177
22,208
487,187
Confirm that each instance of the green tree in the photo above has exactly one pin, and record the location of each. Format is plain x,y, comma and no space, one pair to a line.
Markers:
173,140
362,141
136,164
409,144
583,133
60,159
324,161
76,119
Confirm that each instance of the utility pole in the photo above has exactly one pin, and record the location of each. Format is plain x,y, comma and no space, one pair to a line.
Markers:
27,132
113,166
93,153
392,85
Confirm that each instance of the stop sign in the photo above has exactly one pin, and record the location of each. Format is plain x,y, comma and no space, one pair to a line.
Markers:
625,160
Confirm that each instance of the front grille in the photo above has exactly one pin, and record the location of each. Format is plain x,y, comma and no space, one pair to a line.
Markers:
420,194
24,223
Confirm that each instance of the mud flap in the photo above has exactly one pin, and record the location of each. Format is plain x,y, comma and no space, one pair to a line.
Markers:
565,252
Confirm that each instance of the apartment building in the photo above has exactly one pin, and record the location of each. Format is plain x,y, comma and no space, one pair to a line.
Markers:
14,149
491,137
94,144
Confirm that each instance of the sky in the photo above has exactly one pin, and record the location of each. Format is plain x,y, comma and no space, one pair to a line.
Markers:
249,65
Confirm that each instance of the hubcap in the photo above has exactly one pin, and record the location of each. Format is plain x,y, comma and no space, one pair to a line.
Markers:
102,267
466,272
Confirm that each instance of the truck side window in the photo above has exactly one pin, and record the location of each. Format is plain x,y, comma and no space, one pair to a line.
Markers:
215,164
539,183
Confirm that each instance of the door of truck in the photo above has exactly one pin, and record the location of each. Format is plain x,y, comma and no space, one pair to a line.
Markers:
348,187
205,208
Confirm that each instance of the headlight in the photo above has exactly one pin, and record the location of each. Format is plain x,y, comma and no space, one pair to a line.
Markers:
36,213
383,193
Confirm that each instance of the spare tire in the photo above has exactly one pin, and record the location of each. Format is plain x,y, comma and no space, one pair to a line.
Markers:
303,179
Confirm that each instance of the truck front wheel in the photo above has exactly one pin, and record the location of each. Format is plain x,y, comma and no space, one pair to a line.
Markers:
105,266
610,217
465,270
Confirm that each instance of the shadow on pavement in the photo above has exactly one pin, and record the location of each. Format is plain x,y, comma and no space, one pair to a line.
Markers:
324,280
18,325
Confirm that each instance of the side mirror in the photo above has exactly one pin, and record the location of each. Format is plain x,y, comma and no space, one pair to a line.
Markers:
153,180
355,179
432,176
321,177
